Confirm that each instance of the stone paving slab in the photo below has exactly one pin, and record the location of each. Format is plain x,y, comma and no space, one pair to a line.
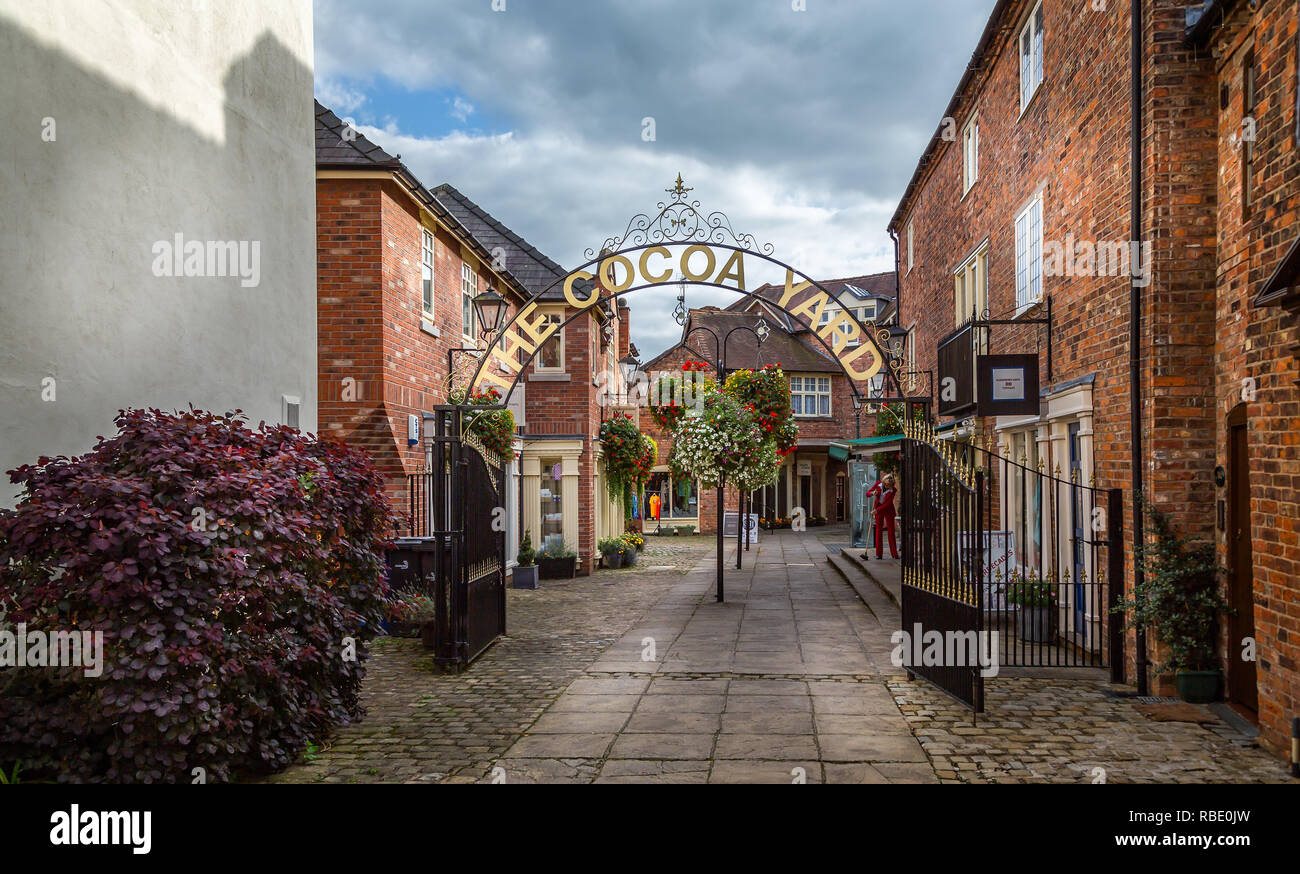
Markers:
788,681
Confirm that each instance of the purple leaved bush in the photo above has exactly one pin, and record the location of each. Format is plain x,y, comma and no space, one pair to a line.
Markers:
225,566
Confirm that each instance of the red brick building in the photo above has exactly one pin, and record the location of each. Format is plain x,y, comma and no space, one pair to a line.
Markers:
815,476
1023,196
398,267
561,397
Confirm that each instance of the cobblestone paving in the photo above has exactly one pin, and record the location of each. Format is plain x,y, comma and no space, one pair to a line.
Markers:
1062,731
421,726
640,676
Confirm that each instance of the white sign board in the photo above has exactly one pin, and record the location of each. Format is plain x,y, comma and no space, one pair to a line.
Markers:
999,562
729,525
1008,384
803,468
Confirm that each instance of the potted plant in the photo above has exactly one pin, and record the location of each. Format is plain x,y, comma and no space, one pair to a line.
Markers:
524,575
559,562
635,539
631,543
1179,597
406,612
612,548
1036,599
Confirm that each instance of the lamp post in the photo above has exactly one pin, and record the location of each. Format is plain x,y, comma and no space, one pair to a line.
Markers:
760,332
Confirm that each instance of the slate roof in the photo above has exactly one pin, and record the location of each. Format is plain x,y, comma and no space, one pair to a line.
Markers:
848,289
793,353
524,260
341,148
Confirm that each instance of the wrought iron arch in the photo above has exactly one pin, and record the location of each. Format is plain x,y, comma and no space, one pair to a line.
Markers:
680,222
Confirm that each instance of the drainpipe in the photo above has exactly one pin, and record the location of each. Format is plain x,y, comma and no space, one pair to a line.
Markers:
898,286
1135,327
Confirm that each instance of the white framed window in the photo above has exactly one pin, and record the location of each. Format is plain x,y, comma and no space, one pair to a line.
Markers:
1029,255
970,288
468,291
810,395
970,153
867,313
910,235
1031,56
550,356
426,273
848,330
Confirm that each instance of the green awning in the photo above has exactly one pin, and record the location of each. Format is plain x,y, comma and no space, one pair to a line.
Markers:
838,452
874,441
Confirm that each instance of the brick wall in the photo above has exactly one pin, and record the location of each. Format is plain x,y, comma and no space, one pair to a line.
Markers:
370,302
1201,337
1260,344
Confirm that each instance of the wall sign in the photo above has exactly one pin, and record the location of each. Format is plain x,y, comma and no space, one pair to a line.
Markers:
803,468
956,358
1007,385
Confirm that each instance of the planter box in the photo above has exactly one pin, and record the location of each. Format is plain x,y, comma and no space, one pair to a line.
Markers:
558,568
524,577
1034,624
1198,687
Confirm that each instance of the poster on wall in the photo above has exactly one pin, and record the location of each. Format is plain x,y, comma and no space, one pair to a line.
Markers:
999,562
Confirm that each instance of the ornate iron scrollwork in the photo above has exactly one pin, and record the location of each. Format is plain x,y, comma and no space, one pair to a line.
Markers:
680,220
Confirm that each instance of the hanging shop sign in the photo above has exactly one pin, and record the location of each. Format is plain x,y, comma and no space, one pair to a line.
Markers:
1007,385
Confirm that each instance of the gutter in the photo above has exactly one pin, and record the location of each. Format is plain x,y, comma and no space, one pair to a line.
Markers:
1135,327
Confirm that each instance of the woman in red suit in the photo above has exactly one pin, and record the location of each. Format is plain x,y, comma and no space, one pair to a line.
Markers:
885,516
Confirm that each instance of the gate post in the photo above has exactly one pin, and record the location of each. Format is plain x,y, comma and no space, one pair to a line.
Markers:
1115,589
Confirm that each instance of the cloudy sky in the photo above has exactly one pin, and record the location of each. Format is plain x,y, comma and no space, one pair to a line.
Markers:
803,126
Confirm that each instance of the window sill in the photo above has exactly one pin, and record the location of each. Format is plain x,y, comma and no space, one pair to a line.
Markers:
1037,90
815,418
429,328
549,377
1032,307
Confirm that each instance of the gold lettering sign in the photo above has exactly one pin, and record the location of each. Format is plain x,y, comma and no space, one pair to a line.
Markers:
645,269
573,298
733,269
708,268
791,289
607,271
534,328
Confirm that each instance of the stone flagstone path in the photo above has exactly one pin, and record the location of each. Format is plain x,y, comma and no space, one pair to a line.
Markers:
641,676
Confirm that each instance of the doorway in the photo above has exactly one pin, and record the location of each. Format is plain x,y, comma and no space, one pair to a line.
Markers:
1242,688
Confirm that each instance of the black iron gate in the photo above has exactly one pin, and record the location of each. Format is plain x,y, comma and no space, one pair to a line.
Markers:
456,509
1005,564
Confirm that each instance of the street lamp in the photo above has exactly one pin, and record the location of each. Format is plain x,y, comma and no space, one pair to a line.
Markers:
490,308
629,366
679,312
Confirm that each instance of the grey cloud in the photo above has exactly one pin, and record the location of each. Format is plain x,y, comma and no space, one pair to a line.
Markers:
804,127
